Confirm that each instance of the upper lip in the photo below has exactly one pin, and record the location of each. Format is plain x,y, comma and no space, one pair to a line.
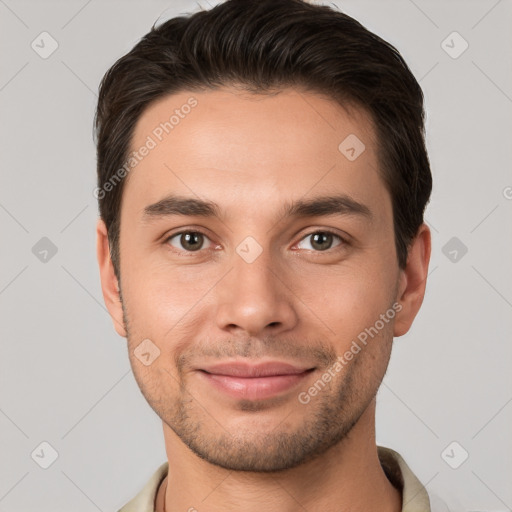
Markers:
239,369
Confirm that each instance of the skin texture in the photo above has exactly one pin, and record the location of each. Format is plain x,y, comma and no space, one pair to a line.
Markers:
251,154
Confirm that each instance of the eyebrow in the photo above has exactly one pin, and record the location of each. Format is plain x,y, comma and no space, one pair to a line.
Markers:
318,206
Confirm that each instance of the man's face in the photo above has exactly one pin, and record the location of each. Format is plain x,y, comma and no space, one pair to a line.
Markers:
256,283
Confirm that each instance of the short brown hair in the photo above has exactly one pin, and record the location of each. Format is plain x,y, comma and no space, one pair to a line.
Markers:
265,46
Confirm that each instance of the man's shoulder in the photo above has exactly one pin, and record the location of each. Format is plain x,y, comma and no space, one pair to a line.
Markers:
144,501
415,497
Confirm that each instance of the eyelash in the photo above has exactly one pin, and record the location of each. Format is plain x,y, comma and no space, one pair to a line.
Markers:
343,241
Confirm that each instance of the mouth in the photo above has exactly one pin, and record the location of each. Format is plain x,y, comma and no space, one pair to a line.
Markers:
254,382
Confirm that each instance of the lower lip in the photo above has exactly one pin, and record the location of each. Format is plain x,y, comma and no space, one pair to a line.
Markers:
254,388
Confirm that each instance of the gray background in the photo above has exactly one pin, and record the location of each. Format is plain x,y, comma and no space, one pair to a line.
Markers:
65,377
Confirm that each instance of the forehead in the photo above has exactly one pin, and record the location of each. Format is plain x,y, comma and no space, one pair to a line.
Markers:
240,145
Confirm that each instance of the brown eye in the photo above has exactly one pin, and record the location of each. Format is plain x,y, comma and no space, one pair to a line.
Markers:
189,241
321,241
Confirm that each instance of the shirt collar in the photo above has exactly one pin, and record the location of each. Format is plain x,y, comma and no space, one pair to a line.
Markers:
414,494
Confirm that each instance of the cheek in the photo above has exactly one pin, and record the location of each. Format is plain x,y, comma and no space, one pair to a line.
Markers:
345,301
161,299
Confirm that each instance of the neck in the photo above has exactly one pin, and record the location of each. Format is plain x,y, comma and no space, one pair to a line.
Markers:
347,477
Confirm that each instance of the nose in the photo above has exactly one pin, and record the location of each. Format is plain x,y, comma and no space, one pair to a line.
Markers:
252,298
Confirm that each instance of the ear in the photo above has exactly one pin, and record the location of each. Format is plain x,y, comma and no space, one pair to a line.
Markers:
109,283
413,280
